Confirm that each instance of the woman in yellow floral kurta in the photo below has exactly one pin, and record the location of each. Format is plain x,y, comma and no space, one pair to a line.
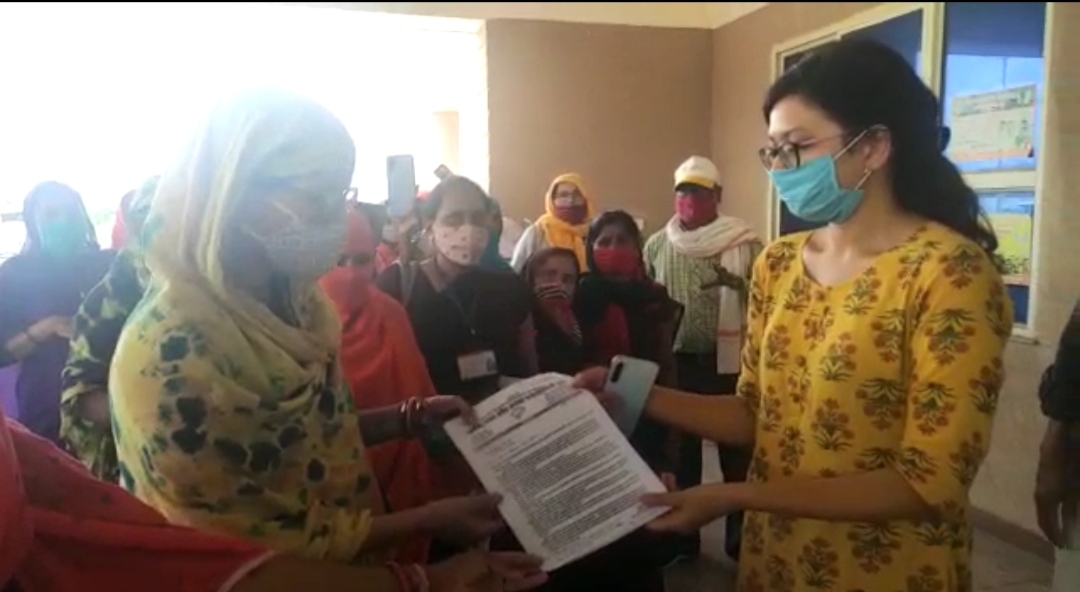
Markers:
897,368
873,357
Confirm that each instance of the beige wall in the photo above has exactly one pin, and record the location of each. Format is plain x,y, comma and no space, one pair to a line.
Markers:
448,133
621,105
742,54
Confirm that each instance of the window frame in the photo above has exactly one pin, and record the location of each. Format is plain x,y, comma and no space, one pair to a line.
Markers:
931,69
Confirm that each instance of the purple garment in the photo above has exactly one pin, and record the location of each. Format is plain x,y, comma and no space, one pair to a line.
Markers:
33,287
8,377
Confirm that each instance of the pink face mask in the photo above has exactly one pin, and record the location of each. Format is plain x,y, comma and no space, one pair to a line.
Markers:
695,209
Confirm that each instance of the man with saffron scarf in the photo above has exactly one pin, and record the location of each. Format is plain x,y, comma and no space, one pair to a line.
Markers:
704,259
568,211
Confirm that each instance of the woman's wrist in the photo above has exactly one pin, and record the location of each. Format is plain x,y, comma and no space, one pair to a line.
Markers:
412,414
741,495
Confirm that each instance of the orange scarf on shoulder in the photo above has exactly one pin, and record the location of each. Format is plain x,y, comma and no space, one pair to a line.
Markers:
383,365
63,530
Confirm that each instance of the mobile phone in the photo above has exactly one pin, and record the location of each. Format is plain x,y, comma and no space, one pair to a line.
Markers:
631,379
400,185
443,172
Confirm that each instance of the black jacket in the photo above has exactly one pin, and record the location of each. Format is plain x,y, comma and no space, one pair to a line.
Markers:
1059,391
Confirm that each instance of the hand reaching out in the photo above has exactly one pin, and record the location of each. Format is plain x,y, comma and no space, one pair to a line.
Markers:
465,520
692,508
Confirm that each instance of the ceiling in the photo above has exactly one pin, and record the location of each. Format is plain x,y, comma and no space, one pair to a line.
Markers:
698,15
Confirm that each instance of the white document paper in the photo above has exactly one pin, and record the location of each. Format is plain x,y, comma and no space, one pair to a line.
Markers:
571,483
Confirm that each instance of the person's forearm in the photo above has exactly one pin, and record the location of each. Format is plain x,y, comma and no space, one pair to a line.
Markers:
389,529
723,419
288,574
875,496
382,425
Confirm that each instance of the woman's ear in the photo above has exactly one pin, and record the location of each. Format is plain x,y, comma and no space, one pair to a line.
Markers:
878,148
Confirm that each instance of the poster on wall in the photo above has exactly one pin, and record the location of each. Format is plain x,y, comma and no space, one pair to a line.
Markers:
993,125
1014,232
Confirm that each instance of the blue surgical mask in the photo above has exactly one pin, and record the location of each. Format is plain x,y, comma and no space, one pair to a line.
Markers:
62,237
812,192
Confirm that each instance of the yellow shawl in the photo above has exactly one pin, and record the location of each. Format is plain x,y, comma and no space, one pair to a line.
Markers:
557,233
227,418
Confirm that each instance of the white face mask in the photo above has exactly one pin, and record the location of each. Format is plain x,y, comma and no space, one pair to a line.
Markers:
463,245
390,234
305,253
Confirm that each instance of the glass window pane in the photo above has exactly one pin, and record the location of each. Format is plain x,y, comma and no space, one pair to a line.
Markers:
902,33
1012,214
993,46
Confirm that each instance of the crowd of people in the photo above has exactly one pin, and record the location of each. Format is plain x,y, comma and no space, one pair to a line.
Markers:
246,393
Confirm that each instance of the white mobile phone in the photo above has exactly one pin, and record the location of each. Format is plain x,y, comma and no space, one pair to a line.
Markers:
631,379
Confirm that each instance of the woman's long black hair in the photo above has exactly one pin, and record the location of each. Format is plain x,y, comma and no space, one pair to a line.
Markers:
54,190
862,83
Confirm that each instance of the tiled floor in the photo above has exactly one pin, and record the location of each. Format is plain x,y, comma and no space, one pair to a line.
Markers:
999,567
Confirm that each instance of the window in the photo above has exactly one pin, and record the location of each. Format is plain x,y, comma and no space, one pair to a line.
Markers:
116,111
992,47
991,54
1013,212
903,33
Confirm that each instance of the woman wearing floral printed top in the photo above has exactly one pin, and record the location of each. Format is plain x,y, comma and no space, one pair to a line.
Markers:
228,405
873,360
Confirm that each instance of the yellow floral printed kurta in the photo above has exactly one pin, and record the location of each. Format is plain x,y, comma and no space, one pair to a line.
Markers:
898,367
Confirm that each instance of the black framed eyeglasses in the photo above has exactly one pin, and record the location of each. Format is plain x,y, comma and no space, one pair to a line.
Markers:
785,155
789,154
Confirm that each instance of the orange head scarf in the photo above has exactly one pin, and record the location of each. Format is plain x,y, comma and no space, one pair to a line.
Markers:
383,365
63,530
349,284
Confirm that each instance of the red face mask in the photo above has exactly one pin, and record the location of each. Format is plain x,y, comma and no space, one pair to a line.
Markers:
570,214
621,261
348,286
695,209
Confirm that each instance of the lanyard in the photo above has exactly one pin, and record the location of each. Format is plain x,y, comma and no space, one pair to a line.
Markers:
465,318
448,290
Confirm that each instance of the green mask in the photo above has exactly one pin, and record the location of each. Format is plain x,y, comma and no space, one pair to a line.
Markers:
62,237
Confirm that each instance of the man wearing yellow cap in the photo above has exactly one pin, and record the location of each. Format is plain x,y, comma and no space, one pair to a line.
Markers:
704,259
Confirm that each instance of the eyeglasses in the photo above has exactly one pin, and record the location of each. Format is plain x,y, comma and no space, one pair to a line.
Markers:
788,154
